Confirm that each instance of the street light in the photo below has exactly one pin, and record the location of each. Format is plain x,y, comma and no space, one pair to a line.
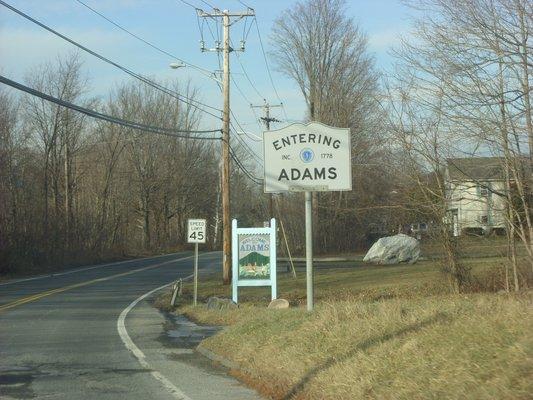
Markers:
176,65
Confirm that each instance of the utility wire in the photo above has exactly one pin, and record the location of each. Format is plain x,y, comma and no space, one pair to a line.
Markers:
189,4
209,4
243,168
202,70
105,117
245,5
124,69
256,118
247,76
234,118
268,68
254,155
237,136
243,142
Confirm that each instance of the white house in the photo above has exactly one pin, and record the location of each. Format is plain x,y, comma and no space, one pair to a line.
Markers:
475,190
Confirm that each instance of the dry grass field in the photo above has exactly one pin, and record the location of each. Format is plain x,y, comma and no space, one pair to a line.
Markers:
440,347
378,332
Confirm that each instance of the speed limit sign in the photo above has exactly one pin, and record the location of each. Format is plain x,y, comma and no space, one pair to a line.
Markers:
196,234
196,231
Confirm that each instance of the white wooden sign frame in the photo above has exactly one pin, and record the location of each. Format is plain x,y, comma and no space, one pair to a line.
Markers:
236,282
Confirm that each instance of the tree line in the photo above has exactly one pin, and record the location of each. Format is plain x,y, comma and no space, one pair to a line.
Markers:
74,189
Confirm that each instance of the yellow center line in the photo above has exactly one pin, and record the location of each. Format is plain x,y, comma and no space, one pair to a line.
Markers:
38,296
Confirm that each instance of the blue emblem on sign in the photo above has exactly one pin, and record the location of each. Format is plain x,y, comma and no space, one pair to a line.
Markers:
307,155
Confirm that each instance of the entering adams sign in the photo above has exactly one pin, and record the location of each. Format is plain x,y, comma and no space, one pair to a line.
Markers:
307,157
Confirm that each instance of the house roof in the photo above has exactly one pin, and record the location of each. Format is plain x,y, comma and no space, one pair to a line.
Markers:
475,168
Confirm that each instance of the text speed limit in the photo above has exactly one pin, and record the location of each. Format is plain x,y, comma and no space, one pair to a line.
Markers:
196,231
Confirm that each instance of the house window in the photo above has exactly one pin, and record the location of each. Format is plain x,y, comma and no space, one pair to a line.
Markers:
483,190
484,219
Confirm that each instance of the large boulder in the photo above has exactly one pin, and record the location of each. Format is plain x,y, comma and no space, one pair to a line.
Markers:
393,250
217,303
279,304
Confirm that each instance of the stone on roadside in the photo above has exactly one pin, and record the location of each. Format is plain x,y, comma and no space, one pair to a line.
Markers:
279,304
217,303
393,250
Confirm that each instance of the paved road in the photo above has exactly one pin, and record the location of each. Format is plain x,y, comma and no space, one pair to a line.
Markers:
61,337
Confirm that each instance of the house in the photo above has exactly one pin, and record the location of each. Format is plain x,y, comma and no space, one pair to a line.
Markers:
475,192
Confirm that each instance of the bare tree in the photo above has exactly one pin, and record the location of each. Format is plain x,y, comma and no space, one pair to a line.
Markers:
169,175
325,53
10,143
73,189
470,64
57,131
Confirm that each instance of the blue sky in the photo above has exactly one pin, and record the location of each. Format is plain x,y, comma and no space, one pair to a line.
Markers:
172,25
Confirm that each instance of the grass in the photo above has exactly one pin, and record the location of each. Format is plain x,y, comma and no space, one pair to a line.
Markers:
378,332
447,347
346,280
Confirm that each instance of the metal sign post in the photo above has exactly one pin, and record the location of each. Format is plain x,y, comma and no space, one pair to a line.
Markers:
308,158
309,249
196,234
195,274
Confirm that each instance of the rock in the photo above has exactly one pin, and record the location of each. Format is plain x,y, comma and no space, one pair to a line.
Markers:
217,303
279,304
393,250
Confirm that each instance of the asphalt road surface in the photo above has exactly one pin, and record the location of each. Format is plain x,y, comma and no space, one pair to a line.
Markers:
91,333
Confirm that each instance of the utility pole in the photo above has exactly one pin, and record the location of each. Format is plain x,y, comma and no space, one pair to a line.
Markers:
267,119
226,49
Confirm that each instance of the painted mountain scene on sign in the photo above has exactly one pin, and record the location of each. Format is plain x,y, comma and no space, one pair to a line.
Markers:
254,266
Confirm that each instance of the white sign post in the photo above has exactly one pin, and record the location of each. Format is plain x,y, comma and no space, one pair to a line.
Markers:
253,257
307,158
196,234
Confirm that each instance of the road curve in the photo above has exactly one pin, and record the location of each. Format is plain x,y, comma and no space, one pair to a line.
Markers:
59,336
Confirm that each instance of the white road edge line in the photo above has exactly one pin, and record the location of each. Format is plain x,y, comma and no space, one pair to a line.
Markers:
73,271
121,328
139,355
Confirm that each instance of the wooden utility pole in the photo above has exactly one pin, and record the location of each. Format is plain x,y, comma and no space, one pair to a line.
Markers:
267,119
226,49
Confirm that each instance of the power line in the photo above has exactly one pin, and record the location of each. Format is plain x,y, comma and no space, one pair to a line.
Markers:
209,4
243,143
202,70
189,4
247,76
105,117
239,89
252,136
247,6
250,151
243,168
147,81
256,118
268,68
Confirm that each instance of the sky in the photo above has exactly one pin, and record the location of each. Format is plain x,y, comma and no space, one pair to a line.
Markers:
173,26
